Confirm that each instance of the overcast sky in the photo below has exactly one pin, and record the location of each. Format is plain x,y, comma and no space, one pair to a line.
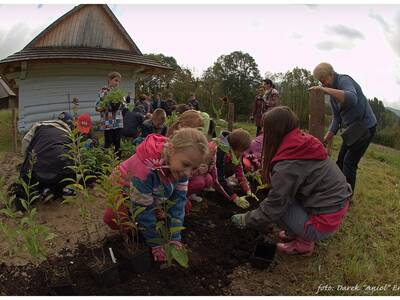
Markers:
362,41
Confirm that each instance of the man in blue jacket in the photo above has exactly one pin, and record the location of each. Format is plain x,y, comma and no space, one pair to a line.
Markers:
349,105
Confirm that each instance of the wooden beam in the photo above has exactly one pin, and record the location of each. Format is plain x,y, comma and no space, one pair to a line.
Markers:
316,121
24,67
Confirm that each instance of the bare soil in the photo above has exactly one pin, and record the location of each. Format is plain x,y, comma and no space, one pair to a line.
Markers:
218,256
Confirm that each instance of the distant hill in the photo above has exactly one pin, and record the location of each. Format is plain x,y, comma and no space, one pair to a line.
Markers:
396,111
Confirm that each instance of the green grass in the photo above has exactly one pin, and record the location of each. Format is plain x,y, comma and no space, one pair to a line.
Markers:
5,131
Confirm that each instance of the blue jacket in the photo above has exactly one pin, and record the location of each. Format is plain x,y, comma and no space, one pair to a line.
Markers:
353,107
147,176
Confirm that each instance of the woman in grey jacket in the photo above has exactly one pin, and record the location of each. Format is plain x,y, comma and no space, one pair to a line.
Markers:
309,194
348,105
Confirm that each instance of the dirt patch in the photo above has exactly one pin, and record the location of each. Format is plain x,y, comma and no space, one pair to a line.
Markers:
215,249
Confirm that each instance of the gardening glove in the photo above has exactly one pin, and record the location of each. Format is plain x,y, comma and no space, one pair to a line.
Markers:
178,245
241,202
159,253
238,220
252,195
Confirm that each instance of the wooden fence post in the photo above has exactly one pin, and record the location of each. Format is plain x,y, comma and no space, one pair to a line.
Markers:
316,120
231,115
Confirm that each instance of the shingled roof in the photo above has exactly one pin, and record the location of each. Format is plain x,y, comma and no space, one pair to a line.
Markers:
88,32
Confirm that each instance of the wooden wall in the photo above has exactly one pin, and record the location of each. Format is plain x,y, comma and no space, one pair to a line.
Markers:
90,26
46,92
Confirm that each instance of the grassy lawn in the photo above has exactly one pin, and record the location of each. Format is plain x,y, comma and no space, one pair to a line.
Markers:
5,131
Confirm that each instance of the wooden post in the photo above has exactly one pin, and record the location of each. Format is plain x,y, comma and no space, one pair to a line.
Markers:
14,128
316,120
231,115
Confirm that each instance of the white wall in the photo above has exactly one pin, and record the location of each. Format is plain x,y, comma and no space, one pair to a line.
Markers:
46,92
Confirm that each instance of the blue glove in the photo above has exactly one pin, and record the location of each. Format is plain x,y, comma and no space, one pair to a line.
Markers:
238,220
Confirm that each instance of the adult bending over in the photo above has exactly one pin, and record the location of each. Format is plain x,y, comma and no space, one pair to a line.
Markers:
351,110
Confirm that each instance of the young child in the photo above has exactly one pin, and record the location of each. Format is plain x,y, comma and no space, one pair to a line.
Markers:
252,157
84,127
133,122
111,121
188,119
155,125
231,147
158,171
309,195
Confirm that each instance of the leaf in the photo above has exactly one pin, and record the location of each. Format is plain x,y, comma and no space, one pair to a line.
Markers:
180,256
176,229
168,251
157,241
137,212
50,236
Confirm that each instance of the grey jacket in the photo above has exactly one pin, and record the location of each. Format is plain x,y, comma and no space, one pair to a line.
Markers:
318,185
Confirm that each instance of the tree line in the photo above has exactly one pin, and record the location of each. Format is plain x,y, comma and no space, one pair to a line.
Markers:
237,77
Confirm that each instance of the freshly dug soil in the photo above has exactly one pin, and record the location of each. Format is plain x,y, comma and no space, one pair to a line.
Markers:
215,246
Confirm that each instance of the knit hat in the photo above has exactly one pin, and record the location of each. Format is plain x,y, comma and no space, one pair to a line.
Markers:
84,123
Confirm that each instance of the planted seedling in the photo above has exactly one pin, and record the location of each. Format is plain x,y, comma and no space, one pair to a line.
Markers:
166,227
83,198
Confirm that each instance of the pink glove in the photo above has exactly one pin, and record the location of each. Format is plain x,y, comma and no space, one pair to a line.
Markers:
159,253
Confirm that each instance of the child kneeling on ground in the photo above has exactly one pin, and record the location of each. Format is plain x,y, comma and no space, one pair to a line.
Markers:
231,146
158,171
309,195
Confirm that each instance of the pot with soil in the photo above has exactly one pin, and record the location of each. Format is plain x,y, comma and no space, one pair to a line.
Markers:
263,255
106,271
138,262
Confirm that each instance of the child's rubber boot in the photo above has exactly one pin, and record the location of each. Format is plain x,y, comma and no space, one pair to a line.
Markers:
297,246
284,237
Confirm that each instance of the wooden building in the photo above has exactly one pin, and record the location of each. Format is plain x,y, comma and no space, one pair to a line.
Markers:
8,98
71,59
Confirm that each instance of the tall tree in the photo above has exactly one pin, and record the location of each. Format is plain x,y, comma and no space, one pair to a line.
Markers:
156,83
235,75
294,92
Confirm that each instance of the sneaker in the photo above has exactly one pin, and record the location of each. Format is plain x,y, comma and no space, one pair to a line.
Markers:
47,195
284,237
68,192
196,198
297,246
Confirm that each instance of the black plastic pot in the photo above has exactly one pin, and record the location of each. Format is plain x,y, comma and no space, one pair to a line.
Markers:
263,255
62,288
105,275
139,262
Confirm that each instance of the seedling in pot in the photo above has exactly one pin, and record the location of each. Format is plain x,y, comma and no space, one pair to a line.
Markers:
125,215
